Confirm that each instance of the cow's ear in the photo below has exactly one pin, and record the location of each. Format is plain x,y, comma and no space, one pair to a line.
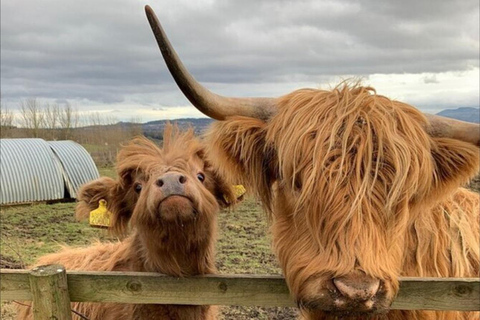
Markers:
456,162
238,150
91,193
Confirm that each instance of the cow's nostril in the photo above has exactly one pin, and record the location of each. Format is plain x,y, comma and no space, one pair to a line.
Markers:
160,183
182,179
361,289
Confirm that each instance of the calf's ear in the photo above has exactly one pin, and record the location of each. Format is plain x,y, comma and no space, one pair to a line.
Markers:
114,193
90,195
456,162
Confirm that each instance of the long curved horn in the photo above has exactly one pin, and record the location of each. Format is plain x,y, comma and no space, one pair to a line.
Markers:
451,128
209,103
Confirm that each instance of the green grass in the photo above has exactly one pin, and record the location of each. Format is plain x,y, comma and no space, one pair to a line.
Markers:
30,231
93,147
244,247
244,243
107,172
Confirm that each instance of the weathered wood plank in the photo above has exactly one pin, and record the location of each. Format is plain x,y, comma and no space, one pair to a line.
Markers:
15,285
152,288
248,290
51,299
438,294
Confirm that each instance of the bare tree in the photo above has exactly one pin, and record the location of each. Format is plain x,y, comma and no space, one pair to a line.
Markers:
95,118
136,126
68,120
32,116
7,119
110,120
52,119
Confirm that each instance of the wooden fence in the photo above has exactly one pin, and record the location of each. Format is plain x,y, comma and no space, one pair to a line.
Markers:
52,289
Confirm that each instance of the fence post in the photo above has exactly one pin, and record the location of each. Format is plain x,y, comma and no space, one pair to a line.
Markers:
50,293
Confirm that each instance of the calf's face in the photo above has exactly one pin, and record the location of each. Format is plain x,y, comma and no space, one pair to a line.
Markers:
177,192
172,185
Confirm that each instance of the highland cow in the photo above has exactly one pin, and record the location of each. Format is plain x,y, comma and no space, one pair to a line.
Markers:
170,197
360,190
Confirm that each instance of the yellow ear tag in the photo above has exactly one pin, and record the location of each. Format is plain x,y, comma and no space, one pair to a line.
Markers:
100,217
238,191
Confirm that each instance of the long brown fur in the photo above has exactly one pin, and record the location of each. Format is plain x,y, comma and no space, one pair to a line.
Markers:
183,246
352,182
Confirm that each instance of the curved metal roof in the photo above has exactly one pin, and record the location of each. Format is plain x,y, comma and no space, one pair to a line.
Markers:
78,167
29,171
36,170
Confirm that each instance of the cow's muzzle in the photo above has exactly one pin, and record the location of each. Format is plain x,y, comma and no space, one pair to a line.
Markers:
174,202
356,291
353,294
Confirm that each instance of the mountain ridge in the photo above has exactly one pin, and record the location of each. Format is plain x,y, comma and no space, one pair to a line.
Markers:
468,114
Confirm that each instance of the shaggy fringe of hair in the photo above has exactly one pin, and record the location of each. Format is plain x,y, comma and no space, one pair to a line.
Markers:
365,152
142,153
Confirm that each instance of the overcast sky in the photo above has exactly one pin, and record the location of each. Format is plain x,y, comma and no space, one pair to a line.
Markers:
101,55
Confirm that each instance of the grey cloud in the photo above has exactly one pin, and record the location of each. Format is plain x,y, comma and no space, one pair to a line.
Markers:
103,51
430,79
61,101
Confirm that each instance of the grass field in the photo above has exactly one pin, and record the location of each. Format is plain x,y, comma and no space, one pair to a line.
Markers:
29,231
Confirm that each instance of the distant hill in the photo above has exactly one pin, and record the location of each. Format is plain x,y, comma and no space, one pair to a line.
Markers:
154,129
465,114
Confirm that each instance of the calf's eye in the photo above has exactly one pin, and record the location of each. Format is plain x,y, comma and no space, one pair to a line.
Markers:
138,187
201,177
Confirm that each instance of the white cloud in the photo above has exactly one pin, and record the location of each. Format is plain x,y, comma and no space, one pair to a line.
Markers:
451,89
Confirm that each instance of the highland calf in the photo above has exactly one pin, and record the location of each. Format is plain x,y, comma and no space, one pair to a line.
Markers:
360,190
170,197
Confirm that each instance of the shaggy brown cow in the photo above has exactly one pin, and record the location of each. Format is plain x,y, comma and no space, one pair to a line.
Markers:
360,190
171,196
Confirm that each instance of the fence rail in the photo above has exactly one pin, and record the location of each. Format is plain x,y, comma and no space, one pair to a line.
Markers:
462,294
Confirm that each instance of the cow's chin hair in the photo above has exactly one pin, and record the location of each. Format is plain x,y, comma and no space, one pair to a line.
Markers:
177,209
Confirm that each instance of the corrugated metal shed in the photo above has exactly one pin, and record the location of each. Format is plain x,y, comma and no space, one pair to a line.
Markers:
31,171
78,167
